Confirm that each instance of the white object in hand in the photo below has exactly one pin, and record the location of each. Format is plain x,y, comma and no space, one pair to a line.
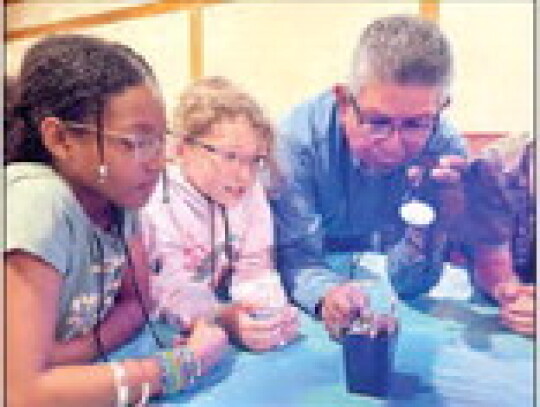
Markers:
264,293
417,213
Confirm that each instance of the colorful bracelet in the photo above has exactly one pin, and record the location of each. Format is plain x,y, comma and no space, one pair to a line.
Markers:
179,369
189,365
168,377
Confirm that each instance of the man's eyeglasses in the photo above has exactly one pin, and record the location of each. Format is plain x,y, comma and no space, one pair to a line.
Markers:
137,146
380,126
254,163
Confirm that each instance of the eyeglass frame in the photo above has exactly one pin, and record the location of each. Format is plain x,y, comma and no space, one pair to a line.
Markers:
253,164
133,143
392,125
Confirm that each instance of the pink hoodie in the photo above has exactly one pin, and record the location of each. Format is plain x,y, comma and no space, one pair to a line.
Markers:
178,236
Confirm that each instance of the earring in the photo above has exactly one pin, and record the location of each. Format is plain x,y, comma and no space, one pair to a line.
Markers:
102,173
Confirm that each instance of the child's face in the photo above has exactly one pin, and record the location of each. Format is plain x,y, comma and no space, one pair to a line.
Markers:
133,131
224,162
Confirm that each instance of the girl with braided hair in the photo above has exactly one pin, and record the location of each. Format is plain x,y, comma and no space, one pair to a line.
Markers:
84,150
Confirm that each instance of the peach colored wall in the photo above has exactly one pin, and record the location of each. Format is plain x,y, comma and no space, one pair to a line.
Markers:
283,52
493,43
163,40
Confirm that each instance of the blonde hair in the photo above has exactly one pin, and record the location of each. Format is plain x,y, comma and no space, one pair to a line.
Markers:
209,100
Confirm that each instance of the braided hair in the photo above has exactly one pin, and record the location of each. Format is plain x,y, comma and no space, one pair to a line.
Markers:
70,77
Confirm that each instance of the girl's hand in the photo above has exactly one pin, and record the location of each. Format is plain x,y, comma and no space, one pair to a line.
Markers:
261,329
209,343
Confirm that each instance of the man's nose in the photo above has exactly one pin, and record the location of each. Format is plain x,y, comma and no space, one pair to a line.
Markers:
394,139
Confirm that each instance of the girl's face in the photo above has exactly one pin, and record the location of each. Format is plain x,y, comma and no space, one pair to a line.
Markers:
134,132
224,162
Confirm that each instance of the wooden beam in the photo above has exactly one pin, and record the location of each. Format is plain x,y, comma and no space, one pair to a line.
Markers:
429,9
108,17
196,31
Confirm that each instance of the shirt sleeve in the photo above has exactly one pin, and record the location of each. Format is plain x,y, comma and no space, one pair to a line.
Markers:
39,221
447,141
256,253
415,263
299,226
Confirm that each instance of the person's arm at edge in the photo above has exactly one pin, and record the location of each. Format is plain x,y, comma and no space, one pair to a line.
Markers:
299,235
32,378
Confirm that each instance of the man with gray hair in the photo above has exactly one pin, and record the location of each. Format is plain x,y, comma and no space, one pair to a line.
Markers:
346,158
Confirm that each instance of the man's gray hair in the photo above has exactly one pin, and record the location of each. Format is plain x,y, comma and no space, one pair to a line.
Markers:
403,50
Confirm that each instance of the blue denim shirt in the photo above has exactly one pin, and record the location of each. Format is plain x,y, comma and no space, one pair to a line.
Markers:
329,201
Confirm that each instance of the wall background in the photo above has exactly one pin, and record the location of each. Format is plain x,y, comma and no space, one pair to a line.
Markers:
283,51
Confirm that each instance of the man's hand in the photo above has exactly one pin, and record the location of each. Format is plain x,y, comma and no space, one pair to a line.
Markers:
340,305
447,187
471,198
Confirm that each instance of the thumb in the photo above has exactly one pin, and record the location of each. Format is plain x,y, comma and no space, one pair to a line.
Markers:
507,292
248,307
527,289
198,325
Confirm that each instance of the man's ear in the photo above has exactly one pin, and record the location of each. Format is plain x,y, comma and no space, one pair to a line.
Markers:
54,137
342,97
341,94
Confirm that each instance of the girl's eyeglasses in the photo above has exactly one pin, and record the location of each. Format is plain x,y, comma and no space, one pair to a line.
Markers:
254,163
135,145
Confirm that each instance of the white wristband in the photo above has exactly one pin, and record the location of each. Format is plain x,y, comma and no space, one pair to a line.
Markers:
120,379
145,395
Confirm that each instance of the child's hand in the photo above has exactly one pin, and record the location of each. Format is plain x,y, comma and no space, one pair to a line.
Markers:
260,329
290,324
209,344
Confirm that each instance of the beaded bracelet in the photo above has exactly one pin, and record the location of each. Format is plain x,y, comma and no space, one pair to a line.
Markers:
189,365
179,369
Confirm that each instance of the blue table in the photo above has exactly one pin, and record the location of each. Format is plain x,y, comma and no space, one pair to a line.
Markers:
451,352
